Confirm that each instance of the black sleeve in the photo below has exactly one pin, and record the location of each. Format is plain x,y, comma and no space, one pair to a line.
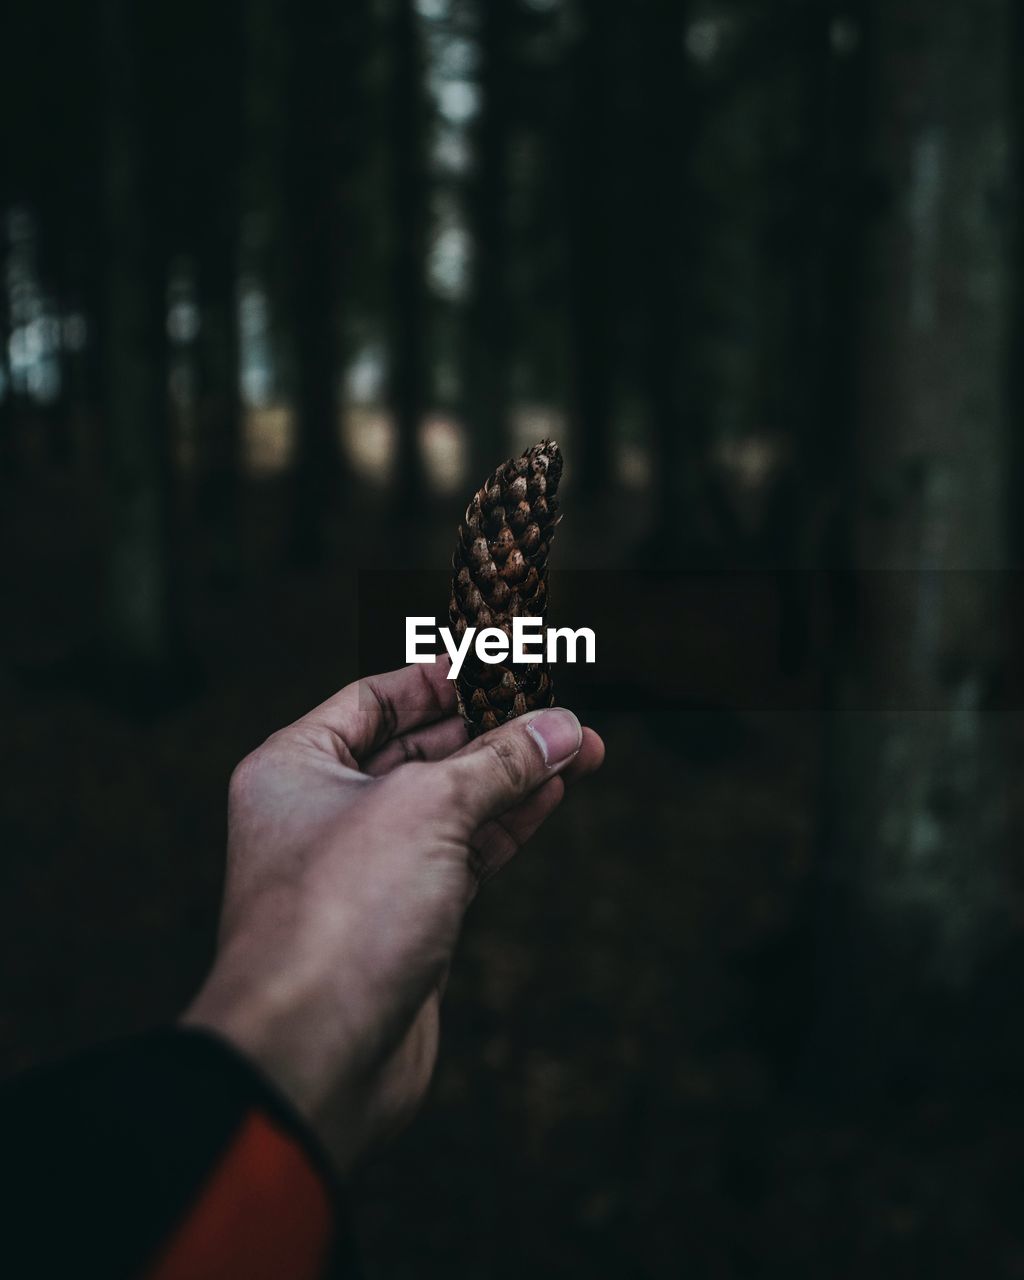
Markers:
163,1157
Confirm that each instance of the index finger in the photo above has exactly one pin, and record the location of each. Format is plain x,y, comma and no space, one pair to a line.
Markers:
372,711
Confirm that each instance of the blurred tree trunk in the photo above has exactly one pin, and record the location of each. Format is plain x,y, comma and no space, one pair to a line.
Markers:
752,225
7,451
140,633
9,103
489,345
219,399
915,841
663,233
592,247
1016,342
407,374
324,52
217,143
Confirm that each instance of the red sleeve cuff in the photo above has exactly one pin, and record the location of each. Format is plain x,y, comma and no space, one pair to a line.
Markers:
263,1213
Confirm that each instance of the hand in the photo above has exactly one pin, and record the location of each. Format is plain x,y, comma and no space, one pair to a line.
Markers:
357,838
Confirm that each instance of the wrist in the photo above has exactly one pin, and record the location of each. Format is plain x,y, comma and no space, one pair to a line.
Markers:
282,1025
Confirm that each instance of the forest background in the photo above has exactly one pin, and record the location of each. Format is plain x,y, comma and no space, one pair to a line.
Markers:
281,283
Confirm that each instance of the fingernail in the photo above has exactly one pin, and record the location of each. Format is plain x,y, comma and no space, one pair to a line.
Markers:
558,734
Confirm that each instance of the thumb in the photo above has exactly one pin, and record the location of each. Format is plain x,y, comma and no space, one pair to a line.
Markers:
504,766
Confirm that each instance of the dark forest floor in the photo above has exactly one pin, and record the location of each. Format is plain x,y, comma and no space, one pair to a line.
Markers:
613,1096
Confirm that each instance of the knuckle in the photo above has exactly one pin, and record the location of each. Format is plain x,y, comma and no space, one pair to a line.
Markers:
385,707
444,787
244,773
509,760
412,751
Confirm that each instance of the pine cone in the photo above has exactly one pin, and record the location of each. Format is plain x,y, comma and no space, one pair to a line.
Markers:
500,572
